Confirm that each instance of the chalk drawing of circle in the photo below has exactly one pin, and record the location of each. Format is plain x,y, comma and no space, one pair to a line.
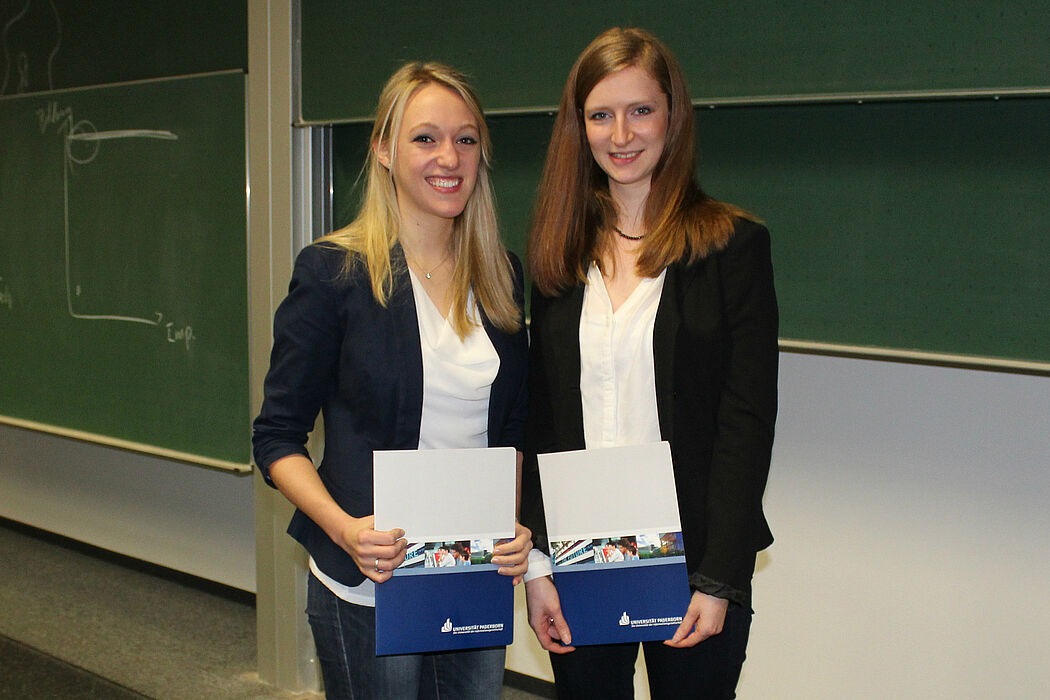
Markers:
81,150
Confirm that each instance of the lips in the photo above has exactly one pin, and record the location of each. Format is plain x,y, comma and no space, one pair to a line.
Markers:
445,185
625,157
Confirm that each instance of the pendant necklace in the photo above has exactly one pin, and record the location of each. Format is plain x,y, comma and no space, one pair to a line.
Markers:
428,275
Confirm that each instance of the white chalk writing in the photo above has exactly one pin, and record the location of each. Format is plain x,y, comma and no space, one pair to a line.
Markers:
53,114
82,146
180,335
21,74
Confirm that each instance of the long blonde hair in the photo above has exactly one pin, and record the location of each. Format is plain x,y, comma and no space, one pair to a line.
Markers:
480,261
574,203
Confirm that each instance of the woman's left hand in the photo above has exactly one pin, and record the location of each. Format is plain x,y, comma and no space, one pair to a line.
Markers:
512,556
704,618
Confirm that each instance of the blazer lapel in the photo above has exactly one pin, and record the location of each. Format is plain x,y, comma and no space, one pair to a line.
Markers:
409,363
563,321
665,331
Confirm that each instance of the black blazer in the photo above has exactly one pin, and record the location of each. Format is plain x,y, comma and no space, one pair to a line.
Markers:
338,351
716,360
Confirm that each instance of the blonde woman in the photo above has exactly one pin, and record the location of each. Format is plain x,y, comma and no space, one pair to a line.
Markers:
653,318
405,330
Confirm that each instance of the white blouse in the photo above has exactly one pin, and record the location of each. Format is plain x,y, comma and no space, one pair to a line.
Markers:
617,373
457,381
457,377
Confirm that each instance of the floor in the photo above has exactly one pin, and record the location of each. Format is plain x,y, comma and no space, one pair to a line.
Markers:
76,622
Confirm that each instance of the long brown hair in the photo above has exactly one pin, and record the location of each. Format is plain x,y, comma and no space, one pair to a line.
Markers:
481,262
574,204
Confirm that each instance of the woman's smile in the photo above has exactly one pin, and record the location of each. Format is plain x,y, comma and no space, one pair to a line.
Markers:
445,185
625,158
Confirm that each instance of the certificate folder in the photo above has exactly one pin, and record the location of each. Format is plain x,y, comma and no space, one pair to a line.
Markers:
616,542
454,506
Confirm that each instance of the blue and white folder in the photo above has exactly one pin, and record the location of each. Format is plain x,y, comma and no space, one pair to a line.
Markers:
616,542
454,506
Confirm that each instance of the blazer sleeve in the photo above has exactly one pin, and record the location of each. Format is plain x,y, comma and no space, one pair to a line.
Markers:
303,361
746,412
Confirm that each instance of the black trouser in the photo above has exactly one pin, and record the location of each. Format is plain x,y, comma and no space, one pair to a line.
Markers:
708,671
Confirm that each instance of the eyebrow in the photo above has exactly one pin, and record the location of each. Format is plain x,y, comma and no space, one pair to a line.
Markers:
637,103
432,125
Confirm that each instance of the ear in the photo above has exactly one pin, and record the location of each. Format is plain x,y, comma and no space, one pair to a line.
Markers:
382,151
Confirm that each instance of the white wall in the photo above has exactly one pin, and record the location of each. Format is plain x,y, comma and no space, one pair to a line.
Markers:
184,517
911,507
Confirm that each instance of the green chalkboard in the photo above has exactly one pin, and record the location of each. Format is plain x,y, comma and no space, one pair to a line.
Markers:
58,44
916,226
122,264
520,54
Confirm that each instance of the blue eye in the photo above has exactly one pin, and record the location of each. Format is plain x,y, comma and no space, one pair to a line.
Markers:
644,110
597,116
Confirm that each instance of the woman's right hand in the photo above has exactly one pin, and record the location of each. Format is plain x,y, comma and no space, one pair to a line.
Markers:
545,616
376,552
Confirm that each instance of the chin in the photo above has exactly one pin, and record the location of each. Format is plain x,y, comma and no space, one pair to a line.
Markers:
448,212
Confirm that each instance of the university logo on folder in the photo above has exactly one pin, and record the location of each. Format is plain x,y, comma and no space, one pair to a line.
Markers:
616,542
454,506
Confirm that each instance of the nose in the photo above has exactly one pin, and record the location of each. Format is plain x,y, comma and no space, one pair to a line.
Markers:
448,156
621,134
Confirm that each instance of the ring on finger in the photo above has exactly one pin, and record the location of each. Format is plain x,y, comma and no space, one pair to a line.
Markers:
378,570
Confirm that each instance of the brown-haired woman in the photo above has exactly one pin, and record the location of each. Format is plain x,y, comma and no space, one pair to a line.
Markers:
653,318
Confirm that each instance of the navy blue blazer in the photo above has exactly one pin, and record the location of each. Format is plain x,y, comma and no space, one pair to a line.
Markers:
716,360
336,350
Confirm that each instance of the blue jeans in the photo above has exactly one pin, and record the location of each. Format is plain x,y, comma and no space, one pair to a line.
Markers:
345,637
708,671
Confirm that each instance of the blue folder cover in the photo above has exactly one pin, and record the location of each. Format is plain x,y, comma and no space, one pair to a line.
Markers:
633,601
437,609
